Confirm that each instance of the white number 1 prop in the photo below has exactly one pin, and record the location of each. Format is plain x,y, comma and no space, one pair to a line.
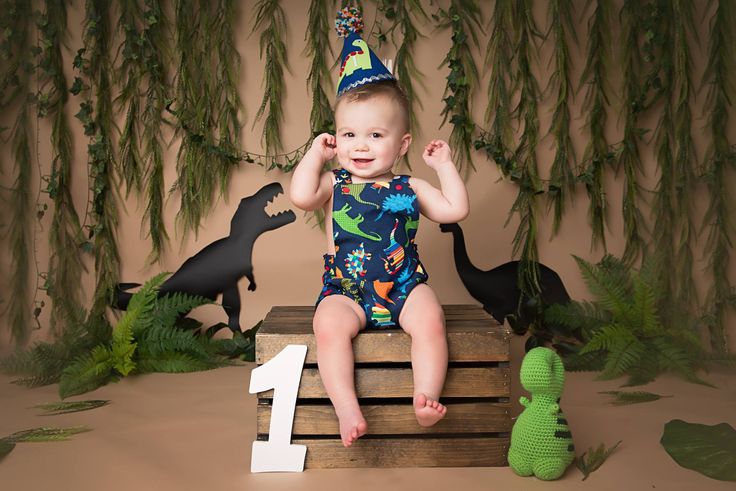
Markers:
281,373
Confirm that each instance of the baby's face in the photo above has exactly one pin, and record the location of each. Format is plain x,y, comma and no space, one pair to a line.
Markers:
370,136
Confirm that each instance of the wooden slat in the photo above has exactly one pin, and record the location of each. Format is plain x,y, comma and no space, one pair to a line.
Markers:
305,312
469,345
397,382
396,419
409,452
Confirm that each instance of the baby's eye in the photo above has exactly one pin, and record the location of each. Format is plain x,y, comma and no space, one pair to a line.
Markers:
376,135
349,134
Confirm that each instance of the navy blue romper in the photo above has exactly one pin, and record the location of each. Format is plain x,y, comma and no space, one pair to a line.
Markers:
376,261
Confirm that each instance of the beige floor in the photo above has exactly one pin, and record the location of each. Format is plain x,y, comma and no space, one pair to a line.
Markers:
194,432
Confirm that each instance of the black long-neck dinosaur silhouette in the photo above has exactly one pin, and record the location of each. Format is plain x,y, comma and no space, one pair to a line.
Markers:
218,267
497,289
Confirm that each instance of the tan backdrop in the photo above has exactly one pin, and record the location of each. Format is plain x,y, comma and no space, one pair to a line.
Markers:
288,261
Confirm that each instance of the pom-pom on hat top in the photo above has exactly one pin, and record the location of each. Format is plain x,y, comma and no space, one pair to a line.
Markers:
359,65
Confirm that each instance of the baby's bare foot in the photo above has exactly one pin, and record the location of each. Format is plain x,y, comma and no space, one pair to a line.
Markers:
352,426
428,411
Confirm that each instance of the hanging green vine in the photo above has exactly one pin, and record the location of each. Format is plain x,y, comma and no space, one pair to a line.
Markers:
63,280
463,17
525,239
597,153
562,177
658,34
498,143
400,14
142,74
719,157
207,103
271,21
96,114
16,93
20,228
317,36
684,158
633,105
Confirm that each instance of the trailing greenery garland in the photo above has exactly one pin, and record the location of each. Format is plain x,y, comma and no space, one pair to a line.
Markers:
19,309
93,62
597,153
498,143
143,76
685,161
16,92
658,50
400,14
562,177
719,157
633,105
65,236
321,119
525,239
270,19
207,104
463,17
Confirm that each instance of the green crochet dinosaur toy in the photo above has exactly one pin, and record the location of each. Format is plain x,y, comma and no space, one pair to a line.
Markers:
541,442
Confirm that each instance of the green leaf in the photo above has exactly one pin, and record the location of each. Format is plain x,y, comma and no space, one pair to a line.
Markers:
65,407
622,398
710,450
46,434
596,458
5,448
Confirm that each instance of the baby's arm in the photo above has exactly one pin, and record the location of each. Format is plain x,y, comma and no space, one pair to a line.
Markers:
310,187
450,203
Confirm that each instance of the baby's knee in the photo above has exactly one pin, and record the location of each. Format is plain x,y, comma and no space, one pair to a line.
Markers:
332,328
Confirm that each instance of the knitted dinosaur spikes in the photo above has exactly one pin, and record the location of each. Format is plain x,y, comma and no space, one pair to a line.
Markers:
541,442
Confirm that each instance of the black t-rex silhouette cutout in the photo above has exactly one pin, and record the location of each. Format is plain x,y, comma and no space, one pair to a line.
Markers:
497,289
218,267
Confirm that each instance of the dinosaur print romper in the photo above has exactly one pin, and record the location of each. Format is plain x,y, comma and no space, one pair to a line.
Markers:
376,261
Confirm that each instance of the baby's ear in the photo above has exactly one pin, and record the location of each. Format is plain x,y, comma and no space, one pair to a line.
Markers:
405,142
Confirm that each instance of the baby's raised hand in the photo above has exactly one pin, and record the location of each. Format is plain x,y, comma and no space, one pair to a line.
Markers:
437,152
324,147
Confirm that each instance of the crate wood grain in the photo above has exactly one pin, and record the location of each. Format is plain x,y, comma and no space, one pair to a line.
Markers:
475,431
406,452
472,335
397,419
398,382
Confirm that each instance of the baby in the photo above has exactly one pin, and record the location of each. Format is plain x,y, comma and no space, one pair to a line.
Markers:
373,277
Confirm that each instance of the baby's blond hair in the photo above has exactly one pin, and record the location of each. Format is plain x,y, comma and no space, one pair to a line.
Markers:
387,88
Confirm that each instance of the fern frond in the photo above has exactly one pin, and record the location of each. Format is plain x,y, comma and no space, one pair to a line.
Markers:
621,398
621,357
161,339
45,434
607,338
610,294
170,307
645,307
583,316
175,362
87,373
65,407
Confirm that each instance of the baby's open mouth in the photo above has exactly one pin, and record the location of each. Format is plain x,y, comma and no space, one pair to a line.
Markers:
362,161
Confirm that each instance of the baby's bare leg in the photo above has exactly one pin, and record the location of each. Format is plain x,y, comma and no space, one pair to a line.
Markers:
337,321
422,318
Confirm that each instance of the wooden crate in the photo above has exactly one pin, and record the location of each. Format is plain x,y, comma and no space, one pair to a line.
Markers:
475,431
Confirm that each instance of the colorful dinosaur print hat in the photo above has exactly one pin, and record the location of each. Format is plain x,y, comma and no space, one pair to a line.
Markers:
359,64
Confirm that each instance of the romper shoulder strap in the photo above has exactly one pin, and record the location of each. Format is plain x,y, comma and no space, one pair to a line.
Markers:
342,176
402,178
